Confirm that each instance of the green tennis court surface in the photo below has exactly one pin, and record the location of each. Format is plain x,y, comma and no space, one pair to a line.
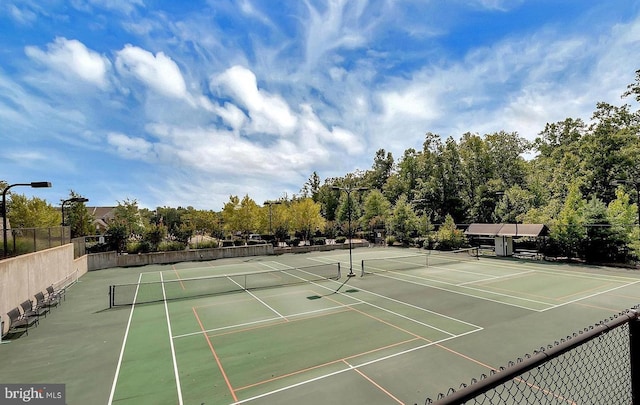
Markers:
284,330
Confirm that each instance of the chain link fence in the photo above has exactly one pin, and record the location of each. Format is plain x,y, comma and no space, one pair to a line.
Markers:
598,365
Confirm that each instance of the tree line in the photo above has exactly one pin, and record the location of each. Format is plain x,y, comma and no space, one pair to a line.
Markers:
582,179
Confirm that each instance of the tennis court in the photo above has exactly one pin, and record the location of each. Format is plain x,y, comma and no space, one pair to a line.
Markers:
285,329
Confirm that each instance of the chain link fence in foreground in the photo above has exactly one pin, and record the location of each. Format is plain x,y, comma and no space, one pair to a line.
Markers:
598,365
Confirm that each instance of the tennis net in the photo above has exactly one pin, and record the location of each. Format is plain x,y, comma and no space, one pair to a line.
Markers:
432,258
146,292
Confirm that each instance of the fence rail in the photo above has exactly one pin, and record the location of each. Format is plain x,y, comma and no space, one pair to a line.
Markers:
598,365
28,240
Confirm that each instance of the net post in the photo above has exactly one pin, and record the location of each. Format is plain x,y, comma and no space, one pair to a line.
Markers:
362,268
634,358
111,296
339,272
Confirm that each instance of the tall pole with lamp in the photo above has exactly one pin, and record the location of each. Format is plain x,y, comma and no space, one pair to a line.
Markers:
348,190
271,203
33,184
71,200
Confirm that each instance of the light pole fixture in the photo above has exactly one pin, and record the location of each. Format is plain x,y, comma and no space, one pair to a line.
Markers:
33,184
72,200
348,190
270,204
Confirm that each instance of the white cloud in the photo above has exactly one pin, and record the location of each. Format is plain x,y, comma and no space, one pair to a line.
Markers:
128,147
72,58
159,72
269,113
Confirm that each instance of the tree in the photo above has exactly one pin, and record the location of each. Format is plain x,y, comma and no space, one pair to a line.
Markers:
403,222
154,235
568,230
311,187
305,217
127,214
241,216
34,212
78,217
349,210
600,243
449,236
382,168
622,216
376,210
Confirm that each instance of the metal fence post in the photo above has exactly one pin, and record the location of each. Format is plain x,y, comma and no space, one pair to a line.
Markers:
634,358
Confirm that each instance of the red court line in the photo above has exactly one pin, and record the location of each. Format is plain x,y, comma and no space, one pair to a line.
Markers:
215,355
343,360
383,321
173,266
390,395
606,286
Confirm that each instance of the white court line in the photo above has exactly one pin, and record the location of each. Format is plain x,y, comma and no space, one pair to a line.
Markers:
124,342
393,312
173,349
496,277
350,368
259,300
240,325
590,296
557,271
385,274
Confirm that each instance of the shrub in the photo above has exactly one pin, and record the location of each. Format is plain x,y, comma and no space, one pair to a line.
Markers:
319,240
391,240
238,242
341,239
227,243
208,244
172,246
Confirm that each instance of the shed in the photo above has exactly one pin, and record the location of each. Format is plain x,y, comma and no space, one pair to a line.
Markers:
503,234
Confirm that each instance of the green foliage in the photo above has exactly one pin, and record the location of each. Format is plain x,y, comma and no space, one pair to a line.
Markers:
376,210
449,237
154,235
169,246
116,236
568,231
403,222
34,212
78,217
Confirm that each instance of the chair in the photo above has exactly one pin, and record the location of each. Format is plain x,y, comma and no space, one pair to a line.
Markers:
17,324
53,294
43,302
29,312
38,306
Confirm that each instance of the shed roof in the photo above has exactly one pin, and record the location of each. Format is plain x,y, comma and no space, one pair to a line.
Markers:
531,230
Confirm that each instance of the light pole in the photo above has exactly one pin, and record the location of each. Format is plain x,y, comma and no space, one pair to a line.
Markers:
348,190
73,200
271,203
33,184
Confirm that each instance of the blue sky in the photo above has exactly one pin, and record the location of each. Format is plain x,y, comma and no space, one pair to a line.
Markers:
184,103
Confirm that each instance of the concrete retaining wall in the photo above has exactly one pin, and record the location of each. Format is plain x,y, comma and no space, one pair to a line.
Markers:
98,261
23,276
